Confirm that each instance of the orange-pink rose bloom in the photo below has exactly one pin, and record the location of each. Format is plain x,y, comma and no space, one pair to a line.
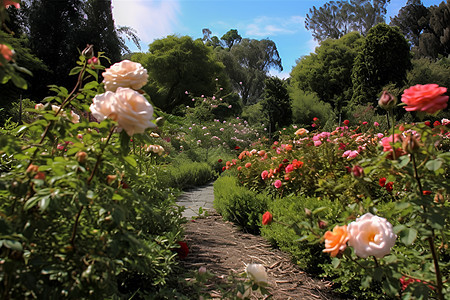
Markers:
428,98
336,240
8,3
6,52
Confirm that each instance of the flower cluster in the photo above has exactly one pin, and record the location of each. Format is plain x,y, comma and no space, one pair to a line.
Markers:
369,235
120,102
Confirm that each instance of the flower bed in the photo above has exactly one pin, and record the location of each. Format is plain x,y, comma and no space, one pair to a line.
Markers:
377,202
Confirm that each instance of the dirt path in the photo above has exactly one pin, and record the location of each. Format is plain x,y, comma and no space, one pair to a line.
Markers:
223,249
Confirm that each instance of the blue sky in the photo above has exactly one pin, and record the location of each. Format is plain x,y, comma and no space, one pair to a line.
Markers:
282,21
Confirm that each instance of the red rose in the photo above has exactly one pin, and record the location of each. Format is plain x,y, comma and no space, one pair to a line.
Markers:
389,186
382,181
237,148
220,160
315,119
267,218
428,123
429,98
346,122
436,123
426,192
183,251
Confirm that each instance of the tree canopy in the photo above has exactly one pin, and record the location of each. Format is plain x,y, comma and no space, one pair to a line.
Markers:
327,72
337,18
247,64
179,64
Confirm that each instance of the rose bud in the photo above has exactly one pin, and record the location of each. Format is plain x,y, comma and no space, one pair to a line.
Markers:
81,157
322,224
308,212
438,198
410,144
387,100
40,175
88,52
32,168
110,178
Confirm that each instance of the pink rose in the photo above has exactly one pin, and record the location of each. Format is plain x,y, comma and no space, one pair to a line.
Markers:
428,98
386,142
8,3
127,107
264,175
277,183
125,74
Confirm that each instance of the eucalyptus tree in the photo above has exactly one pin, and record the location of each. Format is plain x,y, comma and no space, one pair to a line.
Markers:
337,18
247,64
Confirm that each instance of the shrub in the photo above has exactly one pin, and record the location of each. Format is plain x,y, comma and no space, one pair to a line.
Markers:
238,204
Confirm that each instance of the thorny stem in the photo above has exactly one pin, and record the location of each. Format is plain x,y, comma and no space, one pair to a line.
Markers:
100,155
77,218
439,283
393,133
64,103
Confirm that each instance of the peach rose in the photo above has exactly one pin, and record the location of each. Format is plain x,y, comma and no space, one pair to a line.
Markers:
127,107
125,74
336,240
301,131
6,52
428,98
371,235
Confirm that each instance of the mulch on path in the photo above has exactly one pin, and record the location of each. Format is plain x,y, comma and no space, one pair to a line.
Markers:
223,249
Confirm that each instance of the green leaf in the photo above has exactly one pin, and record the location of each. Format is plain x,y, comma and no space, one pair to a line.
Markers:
130,160
335,262
44,202
75,70
124,142
408,236
11,244
19,81
318,210
433,165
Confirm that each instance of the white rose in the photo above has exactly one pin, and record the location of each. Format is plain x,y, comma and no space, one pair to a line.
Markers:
74,117
257,272
102,106
125,74
371,235
127,107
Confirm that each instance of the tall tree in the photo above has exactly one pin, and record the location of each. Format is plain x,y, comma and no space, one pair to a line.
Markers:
435,40
99,16
412,19
276,103
231,38
55,35
384,58
336,18
247,65
179,64
327,72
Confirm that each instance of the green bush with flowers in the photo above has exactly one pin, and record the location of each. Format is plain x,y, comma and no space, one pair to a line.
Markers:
390,231
81,213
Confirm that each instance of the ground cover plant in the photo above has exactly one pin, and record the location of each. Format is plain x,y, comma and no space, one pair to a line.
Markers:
382,193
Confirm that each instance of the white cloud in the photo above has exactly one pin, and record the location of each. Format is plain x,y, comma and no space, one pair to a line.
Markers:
152,19
269,26
312,44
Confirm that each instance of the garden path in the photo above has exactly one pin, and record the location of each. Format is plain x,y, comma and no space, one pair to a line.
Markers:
224,250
